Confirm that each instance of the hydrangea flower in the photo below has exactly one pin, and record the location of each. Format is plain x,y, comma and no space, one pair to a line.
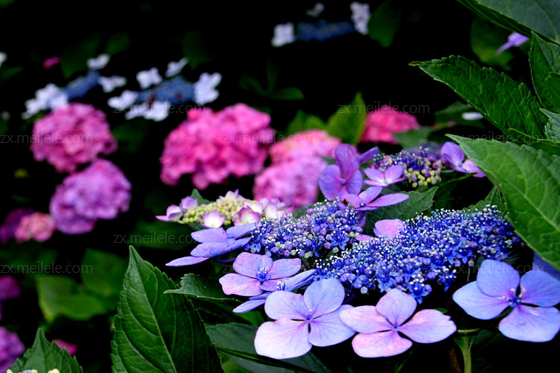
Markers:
367,200
392,175
148,78
212,146
71,136
50,97
125,100
37,226
70,347
109,84
323,30
532,298
174,68
382,123
50,62
343,178
514,40
388,227
205,89
11,348
379,326
303,321
11,223
3,58
256,273
455,158
9,288
283,34
99,62
308,143
213,219
100,191
360,16
79,87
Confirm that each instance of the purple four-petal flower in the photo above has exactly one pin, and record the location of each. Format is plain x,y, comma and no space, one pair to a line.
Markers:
392,175
454,157
343,178
367,199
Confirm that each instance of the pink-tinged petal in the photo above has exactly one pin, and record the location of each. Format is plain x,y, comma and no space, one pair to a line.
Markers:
471,168
283,339
377,177
285,304
284,268
388,227
346,159
531,324
365,319
272,285
240,230
188,203
324,296
210,235
352,199
213,219
428,326
233,283
370,194
393,173
249,264
329,181
328,330
380,344
396,306
246,216
249,305
477,304
540,288
389,199
355,182
210,249
186,261
452,153
173,213
497,279
364,237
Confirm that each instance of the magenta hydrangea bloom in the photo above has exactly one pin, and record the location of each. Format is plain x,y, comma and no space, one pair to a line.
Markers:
532,297
9,288
367,200
379,326
212,146
11,348
343,178
303,321
304,144
100,191
37,226
71,136
382,123
455,158
70,347
256,273
392,175
11,223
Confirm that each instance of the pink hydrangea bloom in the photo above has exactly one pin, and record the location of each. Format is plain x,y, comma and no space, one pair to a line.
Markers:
100,191
214,145
11,223
70,347
37,226
382,123
11,348
304,144
72,135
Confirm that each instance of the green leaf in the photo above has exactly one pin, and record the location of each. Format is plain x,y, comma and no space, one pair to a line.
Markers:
412,138
494,198
289,93
196,195
486,38
62,296
116,43
304,122
195,48
195,286
102,272
384,22
75,56
545,61
348,122
45,356
156,332
542,16
552,129
237,340
504,102
453,114
158,234
551,147
530,183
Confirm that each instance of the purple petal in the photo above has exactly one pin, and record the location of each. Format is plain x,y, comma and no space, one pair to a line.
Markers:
236,244
329,181
364,237
246,216
272,285
428,326
233,283
211,249
377,177
186,261
352,199
213,219
452,154
328,330
285,304
531,324
471,168
393,173
299,280
173,213
355,182
540,288
210,235
497,279
477,304
396,306
389,199
284,268
249,305
380,344
249,264
188,203
370,194
283,339
240,230
388,227
324,296
514,40
368,155
365,319
347,160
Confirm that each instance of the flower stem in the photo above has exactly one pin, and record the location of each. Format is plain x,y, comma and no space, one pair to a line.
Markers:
467,358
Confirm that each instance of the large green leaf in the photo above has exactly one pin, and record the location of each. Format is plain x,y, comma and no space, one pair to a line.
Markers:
542,16
304,122
195,286
348,122
504,102
545,61
102,272
45,356
156,332
552,129
530,184
384,22
237,340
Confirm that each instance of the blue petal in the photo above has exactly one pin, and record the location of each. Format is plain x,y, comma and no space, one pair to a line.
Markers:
531,324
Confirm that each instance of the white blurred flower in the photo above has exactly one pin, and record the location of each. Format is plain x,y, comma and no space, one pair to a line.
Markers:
137,111
205,89
159,111
360,17
316,11
109,84
174,68
148,77
123,101
99,62
3,57
471,116
283,34
50,97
